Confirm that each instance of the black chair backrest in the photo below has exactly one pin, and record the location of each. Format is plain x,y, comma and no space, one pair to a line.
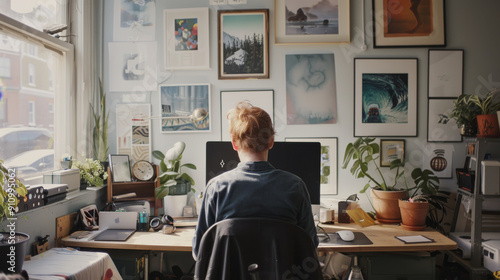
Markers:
280,249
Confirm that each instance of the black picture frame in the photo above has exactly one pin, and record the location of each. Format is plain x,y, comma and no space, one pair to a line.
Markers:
445,73
399,25
120,168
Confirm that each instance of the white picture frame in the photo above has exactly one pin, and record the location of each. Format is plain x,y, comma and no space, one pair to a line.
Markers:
183,49
329,166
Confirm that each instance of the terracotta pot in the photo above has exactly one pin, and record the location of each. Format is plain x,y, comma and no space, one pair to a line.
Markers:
386,205
413,214
488,126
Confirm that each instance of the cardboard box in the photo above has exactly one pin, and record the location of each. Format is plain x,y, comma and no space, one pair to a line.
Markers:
491,260
70,177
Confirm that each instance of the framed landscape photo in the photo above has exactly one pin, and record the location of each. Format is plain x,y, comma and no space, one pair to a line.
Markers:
228,99
311,21
385,97
185,108
391,149
329,154
243,37
186,39
404,23
445,73
440,127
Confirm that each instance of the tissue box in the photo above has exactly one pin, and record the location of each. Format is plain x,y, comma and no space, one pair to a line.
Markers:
70,177
491,259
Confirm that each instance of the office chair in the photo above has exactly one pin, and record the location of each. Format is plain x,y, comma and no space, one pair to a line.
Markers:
256,248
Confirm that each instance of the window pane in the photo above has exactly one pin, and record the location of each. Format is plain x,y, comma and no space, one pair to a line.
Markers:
38,14
27,98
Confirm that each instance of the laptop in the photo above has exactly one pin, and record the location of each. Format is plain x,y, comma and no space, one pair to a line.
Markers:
116,226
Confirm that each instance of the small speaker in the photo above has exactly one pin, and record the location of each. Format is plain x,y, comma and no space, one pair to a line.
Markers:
343,216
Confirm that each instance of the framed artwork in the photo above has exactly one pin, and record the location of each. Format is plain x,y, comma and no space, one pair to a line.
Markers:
391,149
311,21
439,159
132,66
120,168
134,20
311,89
243,44
329,154
185,108
186,39
441,128
445,73
403,23
228,100
385,97
133,131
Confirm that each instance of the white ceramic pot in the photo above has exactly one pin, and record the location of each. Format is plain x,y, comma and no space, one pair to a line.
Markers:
173,205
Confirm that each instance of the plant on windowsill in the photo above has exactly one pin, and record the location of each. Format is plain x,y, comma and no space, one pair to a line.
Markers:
174,184
100,131
10,189
92,172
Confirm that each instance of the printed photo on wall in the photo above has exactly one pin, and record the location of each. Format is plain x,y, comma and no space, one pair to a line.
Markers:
134,20
185,108
133,130
132,66
440,127
186,39
311,89
439,159
385,97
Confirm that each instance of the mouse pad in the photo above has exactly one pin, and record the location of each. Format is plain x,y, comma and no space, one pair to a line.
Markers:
359,239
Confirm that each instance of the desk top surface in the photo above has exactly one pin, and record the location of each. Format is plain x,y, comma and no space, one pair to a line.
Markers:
382,237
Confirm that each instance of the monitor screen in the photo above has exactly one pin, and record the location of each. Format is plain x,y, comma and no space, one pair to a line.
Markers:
300,158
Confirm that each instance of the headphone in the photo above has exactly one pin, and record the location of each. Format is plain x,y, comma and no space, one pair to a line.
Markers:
157,223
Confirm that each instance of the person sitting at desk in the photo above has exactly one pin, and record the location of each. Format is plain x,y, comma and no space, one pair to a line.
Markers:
254,188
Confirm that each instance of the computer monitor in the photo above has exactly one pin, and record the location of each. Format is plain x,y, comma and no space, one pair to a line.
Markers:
300,158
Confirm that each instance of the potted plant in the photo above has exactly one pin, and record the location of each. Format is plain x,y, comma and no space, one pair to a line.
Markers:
92,172
415,208
487,120
364,154
13,244
174,184
100,131
465,113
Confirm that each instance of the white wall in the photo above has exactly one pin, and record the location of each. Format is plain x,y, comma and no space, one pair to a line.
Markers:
470,25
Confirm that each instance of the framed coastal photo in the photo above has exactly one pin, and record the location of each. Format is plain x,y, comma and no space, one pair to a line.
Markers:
311,21
440,127
228,100
329,154
385,97
186,39
185,108
445,73
391,149
403,23
243,37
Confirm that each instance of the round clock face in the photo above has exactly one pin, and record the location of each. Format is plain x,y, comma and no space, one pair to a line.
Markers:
143,170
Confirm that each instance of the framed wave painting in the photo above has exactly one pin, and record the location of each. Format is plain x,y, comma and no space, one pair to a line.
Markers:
385,97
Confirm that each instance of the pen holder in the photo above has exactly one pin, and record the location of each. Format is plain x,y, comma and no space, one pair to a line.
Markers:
143,221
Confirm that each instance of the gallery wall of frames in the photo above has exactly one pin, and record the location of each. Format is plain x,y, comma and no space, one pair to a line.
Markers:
327,71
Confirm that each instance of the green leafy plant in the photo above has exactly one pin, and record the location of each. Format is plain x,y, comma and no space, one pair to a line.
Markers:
10,187
170,169
100,132
488,104
465,111
91,171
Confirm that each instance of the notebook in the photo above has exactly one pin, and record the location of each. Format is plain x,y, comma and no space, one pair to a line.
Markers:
116,226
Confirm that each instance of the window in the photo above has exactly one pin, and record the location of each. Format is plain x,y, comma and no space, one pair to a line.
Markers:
35,90
4,67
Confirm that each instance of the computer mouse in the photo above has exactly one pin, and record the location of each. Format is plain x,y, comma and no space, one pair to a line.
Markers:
346,235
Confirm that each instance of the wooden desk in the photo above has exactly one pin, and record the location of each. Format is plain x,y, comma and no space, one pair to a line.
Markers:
382,237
